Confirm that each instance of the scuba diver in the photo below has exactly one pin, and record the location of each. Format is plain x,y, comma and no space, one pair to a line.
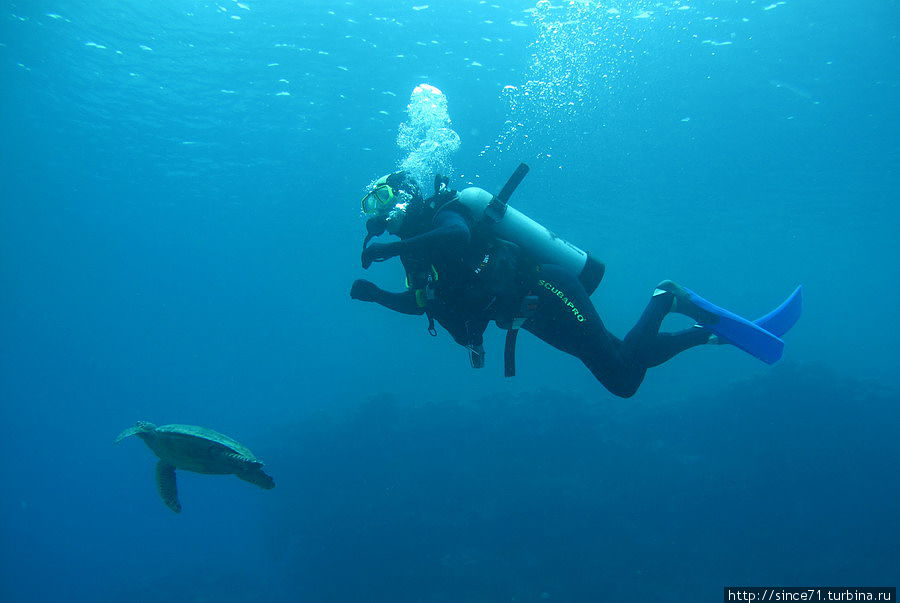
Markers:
470,259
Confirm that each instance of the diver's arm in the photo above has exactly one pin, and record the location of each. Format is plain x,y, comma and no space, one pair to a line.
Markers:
450,233
404,302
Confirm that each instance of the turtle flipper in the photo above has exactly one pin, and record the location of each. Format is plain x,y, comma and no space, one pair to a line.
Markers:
139,427
242,460
127,433
257,477
168,488
250,470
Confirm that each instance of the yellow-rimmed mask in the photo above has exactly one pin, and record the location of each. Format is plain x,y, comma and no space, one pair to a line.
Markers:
380,199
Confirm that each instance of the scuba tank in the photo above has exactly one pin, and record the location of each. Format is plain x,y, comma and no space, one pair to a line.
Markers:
537,241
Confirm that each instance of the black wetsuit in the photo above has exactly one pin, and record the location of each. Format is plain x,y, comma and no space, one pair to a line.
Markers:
466,299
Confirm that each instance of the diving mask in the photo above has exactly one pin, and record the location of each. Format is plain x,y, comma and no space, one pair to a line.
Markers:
378,199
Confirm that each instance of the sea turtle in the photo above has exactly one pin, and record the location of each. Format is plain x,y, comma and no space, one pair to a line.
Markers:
197,449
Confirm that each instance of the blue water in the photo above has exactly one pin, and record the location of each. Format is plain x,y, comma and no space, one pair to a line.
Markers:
179,228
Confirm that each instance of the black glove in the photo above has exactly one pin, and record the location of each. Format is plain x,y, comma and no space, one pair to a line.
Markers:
377,252
364,290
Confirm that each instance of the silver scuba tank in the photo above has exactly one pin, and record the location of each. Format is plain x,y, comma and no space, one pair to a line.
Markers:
540,243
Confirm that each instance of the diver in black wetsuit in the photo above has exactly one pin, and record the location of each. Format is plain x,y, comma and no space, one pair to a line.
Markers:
462,275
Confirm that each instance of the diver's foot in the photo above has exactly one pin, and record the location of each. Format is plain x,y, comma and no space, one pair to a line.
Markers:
712,338
682,304
476,356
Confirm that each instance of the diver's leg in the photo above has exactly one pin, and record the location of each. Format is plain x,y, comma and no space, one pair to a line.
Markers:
647,346
668,345
567,320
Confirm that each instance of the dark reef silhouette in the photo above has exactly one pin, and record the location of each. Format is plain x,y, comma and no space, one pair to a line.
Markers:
782,479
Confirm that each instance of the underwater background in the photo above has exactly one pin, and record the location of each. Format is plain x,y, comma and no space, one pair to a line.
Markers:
180,226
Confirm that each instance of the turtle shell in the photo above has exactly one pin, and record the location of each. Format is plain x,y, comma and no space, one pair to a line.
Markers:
199,449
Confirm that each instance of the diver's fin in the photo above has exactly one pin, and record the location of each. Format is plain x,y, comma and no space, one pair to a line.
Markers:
740,332
780,320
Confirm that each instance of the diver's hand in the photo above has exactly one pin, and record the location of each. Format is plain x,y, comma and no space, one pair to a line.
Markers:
377,252
364,290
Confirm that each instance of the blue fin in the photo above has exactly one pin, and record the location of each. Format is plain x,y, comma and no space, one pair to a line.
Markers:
780,320
752,337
